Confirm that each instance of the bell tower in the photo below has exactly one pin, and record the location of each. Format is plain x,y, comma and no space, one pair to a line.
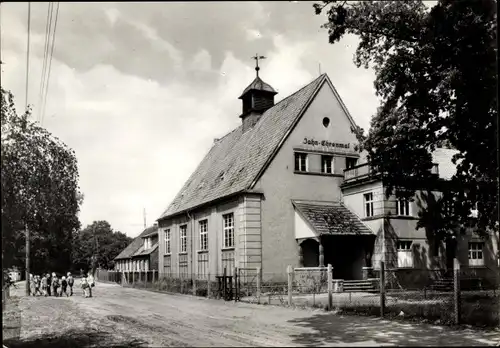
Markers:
256,98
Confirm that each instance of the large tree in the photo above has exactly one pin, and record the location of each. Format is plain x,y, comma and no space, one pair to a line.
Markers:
97,245
436,76
39,178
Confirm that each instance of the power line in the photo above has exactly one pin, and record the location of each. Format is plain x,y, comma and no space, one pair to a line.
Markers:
50,63
48,25
28,55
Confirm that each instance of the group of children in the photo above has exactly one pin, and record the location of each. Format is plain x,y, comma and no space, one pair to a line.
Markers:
50,285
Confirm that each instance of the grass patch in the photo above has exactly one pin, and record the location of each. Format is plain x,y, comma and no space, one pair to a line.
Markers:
477,310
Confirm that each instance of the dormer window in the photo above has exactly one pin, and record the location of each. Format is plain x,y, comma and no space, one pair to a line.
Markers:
147,243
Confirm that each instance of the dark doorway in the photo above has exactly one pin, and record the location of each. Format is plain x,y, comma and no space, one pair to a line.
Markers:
310,252
347,255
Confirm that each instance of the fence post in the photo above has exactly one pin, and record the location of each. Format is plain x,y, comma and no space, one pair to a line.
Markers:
224,286
194,284
330,286
382,289
290,284
208,285
236,290
456,290
258,284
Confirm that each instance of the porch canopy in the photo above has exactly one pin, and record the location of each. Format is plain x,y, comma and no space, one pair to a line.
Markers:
328,218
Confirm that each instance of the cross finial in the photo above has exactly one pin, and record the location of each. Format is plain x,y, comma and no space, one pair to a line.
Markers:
257,57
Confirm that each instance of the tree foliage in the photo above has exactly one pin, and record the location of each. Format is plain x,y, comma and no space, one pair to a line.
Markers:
39,178
436,76
97,245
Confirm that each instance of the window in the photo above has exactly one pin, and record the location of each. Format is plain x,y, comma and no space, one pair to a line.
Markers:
327,164
403,207
204,235
147,243
405,255
167,241
183,239
368,197
228,230
476,254
300,162
350,162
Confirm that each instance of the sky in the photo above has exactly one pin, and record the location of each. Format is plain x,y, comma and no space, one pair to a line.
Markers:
140,90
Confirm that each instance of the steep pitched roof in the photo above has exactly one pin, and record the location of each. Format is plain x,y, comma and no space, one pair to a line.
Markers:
236,160
135,245
331,218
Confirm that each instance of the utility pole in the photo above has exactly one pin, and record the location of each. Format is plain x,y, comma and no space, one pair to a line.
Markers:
94,259
144,215
27,234
26,230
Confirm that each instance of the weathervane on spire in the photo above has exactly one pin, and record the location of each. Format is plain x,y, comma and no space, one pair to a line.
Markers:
257,57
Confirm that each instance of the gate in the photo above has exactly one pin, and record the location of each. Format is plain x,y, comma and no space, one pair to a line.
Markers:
227,286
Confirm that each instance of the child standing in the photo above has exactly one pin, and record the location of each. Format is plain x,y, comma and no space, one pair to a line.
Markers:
55,284
49,285
85,286
44,285
71,281
32,285
90,280
64,286
37,285
59,287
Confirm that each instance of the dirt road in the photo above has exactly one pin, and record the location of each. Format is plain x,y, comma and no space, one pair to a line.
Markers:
131,317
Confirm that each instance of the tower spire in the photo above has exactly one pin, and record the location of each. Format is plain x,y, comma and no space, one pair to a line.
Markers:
257,57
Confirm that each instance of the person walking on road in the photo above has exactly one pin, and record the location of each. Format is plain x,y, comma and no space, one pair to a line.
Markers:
71,281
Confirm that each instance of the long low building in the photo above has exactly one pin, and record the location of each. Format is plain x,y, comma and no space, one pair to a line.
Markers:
287,187
141,254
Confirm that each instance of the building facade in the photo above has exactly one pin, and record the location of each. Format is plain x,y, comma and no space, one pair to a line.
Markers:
279,190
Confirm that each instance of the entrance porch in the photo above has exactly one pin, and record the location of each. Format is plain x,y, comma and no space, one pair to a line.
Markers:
350,256
329,233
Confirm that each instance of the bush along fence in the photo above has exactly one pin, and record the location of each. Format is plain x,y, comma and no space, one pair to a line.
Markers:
437,296
5,295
